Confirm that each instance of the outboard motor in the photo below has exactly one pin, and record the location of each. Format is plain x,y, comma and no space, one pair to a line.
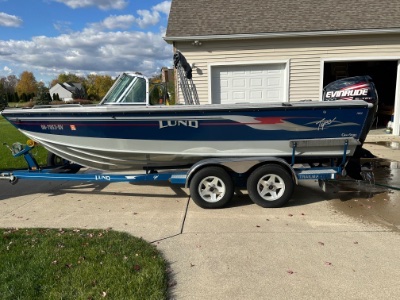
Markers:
355,88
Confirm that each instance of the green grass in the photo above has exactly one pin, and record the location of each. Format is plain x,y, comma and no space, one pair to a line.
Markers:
9,134
79,264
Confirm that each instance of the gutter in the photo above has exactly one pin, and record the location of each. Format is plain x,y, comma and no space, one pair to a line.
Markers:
269,35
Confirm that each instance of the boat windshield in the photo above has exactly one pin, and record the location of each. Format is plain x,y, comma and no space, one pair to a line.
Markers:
127,89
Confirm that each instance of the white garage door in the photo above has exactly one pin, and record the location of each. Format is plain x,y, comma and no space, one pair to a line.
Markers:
247,83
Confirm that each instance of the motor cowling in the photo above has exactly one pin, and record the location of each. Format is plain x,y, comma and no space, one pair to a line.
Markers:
355,88
351,88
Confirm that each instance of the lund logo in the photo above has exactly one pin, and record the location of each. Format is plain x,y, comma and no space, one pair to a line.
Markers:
174,123
346,93
102,177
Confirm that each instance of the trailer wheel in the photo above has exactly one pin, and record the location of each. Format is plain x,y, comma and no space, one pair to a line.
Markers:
211,187
270,186
54,160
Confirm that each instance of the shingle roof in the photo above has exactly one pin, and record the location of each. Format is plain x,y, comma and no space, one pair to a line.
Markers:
230,17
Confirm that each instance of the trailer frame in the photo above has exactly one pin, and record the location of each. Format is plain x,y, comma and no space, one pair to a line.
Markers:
218,178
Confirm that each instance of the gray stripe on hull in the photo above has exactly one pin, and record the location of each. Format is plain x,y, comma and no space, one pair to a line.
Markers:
125,155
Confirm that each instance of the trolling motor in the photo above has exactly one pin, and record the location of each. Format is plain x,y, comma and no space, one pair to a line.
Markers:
355,88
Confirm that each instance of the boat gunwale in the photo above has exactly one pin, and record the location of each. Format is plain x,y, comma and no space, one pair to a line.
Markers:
298,105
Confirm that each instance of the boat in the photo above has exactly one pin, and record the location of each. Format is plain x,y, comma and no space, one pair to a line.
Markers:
130,131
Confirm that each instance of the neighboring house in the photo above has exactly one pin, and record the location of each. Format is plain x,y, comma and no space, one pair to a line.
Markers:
68,91
285,50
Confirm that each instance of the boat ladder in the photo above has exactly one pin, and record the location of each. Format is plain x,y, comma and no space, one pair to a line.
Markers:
186,83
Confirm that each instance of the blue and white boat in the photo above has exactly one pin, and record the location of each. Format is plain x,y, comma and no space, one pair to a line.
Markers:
126,132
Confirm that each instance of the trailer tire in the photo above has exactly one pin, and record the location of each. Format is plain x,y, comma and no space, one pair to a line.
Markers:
211,187
270,186
56,161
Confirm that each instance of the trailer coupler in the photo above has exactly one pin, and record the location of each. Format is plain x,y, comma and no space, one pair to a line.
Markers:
10,177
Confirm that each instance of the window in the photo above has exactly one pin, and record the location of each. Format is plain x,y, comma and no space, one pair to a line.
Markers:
127,89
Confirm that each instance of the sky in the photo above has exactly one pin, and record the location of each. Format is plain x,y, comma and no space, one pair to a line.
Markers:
105,37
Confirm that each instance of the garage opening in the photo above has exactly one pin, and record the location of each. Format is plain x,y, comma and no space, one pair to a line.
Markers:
384,75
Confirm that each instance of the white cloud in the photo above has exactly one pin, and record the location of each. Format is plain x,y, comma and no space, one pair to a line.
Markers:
115,22
108,47
147,18
9,20
63,26
102,4
7,70
90,51
163,7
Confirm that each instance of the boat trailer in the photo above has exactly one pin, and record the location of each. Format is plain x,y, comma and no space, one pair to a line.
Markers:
270,181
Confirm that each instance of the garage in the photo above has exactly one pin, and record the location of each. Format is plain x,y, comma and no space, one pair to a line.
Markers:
258,83
382,72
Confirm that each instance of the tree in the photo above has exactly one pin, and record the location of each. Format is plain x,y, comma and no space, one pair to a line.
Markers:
98,85
43,96
3,102
23,98
27,84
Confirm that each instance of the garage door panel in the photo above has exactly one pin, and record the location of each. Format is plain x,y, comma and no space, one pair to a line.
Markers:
241,82
247,83
224,97
224,83
274,81
274,95
238,96
256,95
256,82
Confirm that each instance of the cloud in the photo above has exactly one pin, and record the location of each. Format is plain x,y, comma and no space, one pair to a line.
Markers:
115,22
163,7
91,51
148,18
145,18
63,26
9,20
102,4
108,47
7,70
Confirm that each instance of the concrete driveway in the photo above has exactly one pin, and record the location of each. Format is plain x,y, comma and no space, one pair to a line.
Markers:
321,246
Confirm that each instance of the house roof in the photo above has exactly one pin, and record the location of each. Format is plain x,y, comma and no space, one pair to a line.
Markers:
71,86
219,18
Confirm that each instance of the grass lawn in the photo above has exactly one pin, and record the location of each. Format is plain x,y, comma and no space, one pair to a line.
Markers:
9,134
79,264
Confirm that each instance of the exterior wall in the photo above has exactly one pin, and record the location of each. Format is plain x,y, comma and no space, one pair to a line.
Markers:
62,92
305,57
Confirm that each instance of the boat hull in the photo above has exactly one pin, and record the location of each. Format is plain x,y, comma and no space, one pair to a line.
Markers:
131,138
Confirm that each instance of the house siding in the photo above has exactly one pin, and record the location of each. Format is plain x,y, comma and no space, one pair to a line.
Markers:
304,56
61,91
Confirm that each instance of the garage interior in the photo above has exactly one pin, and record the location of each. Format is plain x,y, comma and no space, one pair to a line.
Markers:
383,74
